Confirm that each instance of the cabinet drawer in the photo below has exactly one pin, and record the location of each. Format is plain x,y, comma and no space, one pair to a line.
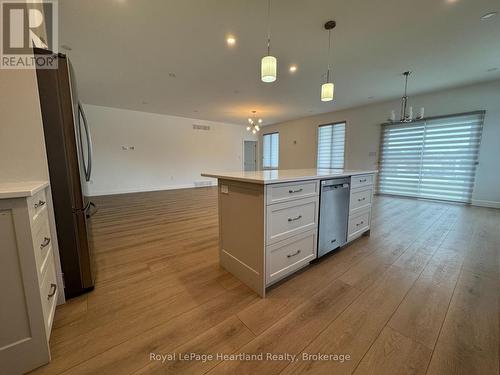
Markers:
360,197
358,223
42,244
290,218
48,294
290,191
361,180
37,204
288,256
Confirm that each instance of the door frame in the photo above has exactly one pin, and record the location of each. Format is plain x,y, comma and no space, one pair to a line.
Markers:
256,153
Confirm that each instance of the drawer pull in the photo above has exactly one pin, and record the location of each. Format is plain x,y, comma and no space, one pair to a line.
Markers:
53,289
361,223
295,191
294,218
45,242
40,204
294,254
363,180
361,199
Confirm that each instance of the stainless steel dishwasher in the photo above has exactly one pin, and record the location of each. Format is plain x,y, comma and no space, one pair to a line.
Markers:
333,214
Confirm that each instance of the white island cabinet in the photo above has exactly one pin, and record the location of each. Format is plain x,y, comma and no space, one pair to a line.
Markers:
27,277
268,220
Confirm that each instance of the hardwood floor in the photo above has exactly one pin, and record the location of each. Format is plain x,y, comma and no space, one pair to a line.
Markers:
420,295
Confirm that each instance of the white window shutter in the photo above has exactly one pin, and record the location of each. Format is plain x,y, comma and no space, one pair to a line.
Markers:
331,145
435,158
270,151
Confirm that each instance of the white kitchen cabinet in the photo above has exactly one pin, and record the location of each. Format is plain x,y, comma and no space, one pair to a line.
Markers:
290,218
360,206
268,220
291,191
27,278
289,255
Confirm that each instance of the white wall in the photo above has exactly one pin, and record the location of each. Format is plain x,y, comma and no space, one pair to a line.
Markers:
363,133
168,153
22,143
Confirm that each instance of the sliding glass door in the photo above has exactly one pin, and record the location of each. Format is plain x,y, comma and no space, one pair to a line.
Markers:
435,158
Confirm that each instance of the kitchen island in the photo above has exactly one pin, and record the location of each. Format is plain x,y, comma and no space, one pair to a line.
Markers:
268,220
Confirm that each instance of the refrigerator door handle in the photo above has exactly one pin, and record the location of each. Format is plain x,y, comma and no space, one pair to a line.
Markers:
90,150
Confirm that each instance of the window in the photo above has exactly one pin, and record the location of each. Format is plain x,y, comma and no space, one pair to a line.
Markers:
271,151
331,144
435,158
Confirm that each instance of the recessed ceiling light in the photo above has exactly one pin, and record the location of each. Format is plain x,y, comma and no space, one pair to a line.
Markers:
488,15
293,68
231,41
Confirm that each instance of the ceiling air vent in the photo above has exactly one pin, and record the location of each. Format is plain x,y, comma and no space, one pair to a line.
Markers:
201,127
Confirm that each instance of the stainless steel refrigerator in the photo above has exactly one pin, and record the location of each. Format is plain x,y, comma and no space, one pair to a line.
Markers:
69,153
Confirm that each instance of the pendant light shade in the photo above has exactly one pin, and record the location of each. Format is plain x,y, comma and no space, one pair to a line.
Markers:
268,69
327,91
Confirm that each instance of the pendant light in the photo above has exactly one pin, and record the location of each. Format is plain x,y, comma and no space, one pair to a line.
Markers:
328,88
406,113
268,64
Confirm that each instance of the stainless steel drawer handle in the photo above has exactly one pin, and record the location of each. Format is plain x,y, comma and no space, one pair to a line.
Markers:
361,199
363,180
361,223
295,191
40,204
45,242
53,290
294,254
294,218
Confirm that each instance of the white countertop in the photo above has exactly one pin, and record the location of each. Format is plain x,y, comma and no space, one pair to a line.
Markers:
285,175
21,189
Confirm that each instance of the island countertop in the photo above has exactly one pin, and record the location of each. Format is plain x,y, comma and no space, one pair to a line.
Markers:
21,188
275,176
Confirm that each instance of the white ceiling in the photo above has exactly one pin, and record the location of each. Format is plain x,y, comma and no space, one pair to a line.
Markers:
124,50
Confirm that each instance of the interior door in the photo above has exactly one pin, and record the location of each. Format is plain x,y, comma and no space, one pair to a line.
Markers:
250,155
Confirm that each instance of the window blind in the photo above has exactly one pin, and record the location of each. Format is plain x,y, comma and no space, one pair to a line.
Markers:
331,143
270,151
434,158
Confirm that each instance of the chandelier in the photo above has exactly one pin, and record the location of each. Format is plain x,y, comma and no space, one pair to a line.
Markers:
406,113
254,123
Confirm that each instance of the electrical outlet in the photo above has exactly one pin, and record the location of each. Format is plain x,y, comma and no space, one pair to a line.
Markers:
224,189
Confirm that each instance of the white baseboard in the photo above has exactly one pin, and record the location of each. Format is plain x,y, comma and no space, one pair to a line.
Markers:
481,203
147,190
